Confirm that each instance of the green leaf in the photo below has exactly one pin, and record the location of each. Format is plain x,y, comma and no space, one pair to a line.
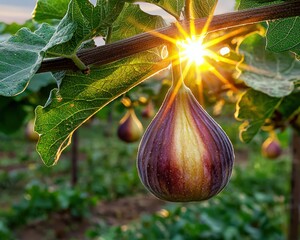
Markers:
35,92
80,96
271,73
133,21
50,9
284,35
244,4
21,56
14,27
202,8
39,81
90,21
290,105
173,7
254,108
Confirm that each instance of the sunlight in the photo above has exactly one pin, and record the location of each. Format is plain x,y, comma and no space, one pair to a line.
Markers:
191,54
192,50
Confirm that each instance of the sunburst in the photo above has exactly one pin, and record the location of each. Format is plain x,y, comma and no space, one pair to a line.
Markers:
192,52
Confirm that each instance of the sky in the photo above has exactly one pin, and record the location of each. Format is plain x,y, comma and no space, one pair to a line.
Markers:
20,10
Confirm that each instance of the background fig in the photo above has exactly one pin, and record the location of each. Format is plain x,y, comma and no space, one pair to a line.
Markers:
271,148
130,128
184,154
30,134
148,111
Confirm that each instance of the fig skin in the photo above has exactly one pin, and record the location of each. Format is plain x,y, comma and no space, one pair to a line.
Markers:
30,134
130,128
271,148
148,111
184,154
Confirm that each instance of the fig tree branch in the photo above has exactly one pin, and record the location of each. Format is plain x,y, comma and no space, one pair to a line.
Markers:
145,41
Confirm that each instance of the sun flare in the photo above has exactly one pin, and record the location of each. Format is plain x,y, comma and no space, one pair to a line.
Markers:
197,54
192,50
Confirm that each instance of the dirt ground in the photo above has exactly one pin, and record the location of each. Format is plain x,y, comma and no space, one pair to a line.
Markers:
115,213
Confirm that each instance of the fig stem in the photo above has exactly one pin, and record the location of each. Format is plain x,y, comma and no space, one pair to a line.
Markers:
177,76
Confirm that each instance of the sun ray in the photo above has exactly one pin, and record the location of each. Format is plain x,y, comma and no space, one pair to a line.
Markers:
192,27
192,51
208,21
178,79
213,70
256,70
217,57
199,87
188,50
224,37
182,30
240,65
151,31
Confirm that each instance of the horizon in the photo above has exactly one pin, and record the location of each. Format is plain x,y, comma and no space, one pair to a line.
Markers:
22,10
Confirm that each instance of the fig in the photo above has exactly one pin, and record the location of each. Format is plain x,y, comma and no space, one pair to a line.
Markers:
30,134
130,128
148,111
184,154
271,148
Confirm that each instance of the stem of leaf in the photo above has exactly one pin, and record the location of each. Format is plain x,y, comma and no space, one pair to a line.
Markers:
78,63
187,9
108,35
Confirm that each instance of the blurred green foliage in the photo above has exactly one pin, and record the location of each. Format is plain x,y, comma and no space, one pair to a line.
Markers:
253,206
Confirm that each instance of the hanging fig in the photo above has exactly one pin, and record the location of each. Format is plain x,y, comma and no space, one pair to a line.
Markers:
148,111
184,154
130,128
271,148
30,134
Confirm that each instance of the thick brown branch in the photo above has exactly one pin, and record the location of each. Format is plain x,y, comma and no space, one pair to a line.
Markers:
145,41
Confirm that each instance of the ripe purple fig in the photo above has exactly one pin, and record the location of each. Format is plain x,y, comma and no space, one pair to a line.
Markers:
148,111
130,128
30,134
271,148
184,154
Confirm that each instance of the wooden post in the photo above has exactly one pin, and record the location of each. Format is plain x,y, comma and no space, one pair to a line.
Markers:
74,160
295,190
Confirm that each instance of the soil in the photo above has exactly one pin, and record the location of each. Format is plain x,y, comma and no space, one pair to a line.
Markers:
61,226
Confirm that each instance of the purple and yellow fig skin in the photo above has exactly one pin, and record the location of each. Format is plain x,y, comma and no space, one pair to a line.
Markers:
271,148
130,128
184,154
